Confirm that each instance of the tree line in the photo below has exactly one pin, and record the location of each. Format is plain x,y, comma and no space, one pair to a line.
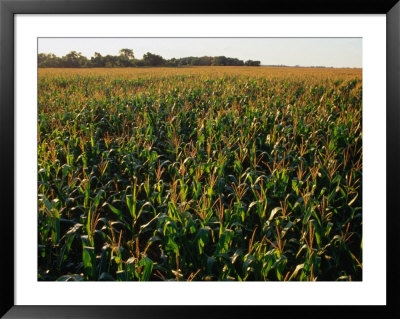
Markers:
126,58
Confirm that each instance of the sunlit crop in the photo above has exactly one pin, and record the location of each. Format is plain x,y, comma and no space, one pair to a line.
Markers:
214,173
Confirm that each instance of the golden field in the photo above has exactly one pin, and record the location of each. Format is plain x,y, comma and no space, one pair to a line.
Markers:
266,72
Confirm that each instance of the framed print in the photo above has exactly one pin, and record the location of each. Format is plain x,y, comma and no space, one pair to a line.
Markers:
170,159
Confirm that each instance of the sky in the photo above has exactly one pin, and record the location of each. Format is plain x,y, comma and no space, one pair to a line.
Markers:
335,52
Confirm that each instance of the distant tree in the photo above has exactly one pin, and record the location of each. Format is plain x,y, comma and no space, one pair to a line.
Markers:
74,60
97,61
126,58
41,58
234,61
219,60
127,53
150,59
205,60
139,63
48,60
184,61
171,63
111,61
252,63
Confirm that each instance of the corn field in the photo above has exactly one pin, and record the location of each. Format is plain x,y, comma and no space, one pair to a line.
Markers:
199,174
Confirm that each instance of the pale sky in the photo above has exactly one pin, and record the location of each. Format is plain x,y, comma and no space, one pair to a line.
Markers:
336,52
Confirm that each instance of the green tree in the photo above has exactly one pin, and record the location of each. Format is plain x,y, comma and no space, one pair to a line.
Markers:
74,60
252,63
127,53
97,61
150,59
48,60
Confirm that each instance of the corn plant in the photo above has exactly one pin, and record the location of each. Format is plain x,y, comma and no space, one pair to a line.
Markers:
209,173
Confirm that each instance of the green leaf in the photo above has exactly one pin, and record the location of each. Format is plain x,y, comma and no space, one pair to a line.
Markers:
224,242
116,211
99,196
248,259
131,205
202,238
89,262
66,248
147,263
173,245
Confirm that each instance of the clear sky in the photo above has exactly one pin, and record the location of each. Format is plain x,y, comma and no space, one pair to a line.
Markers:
336,52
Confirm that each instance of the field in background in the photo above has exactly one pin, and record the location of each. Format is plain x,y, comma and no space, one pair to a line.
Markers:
202,173
265,72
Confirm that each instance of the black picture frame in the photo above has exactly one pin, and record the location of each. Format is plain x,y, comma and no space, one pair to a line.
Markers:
8,8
